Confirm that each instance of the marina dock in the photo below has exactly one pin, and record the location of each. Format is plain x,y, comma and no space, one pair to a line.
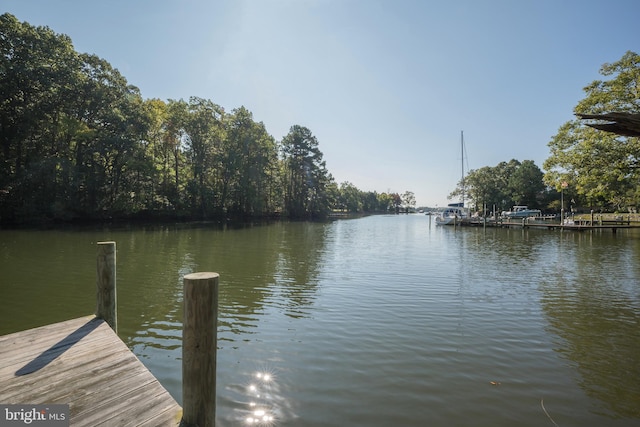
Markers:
577,225
83,363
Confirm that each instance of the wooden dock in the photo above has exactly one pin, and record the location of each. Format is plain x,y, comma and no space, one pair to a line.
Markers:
83,363
527,223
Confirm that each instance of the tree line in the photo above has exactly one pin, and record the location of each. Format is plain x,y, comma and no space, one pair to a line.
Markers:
594,169
79,142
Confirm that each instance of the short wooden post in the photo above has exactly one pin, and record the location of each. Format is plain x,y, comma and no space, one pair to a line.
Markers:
199,345
106,300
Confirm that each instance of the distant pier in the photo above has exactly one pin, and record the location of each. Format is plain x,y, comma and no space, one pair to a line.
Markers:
534,222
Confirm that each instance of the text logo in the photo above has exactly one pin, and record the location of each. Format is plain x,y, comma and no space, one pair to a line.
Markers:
34,415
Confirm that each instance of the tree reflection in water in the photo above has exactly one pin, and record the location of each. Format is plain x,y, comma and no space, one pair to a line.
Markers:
594,310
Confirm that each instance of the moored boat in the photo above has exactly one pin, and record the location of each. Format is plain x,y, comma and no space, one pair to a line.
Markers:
521,212
453,214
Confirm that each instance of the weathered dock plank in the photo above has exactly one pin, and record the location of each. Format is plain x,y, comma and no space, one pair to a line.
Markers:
83,363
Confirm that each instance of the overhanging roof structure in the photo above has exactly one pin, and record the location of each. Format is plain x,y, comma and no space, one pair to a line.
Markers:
625,124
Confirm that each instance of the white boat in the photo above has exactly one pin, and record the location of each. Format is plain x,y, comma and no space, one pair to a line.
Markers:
454,212
452,215
521,212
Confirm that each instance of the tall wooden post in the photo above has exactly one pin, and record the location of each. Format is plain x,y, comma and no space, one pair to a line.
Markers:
484,215
562,206
106,300
199,345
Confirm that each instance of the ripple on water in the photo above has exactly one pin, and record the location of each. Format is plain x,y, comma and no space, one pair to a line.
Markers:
388,321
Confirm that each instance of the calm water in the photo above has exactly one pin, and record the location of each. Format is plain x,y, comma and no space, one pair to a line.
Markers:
379,321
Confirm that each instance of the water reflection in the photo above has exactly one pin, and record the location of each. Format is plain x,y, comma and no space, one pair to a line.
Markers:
33,265
588,285
378,321
264,271
591,298
299,255
261,268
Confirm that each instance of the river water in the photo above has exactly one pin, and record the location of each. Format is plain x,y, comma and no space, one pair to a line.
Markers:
377,321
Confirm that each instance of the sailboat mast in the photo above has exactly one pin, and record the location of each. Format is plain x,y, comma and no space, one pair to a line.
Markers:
462,162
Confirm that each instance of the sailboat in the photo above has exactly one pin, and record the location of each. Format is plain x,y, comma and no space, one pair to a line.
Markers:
454,213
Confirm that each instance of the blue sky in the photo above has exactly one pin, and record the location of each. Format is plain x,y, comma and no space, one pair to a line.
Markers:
385,85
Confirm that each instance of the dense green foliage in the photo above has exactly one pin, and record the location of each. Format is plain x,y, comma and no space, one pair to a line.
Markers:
351,199
601,168
594,169
504,185
78,142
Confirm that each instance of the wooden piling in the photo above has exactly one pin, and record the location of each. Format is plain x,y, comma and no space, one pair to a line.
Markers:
199,344
106,299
